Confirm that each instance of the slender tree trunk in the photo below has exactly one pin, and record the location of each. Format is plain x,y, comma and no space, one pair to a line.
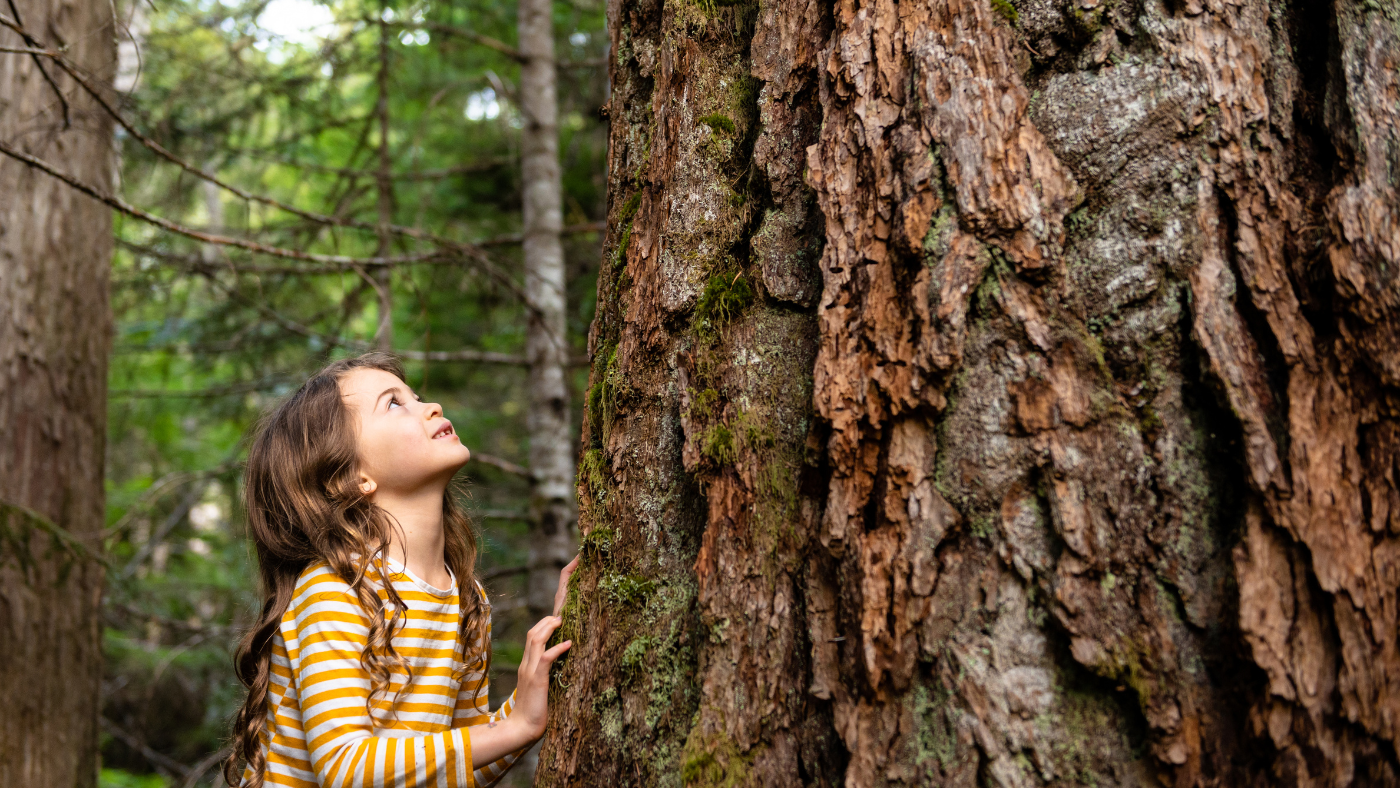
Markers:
552,508
55,326
1080,470
382,278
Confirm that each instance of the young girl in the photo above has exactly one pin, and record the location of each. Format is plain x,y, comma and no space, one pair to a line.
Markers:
368,666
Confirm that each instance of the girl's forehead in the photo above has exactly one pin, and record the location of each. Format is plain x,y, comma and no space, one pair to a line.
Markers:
363,386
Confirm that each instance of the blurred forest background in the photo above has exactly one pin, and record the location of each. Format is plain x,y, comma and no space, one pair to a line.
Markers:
398,114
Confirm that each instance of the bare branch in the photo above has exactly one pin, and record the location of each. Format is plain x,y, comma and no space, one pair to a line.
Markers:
198,264
485,356
505,571
460,32
572,229
467,251
17,25
242,243
163,762
209,393
30,51
204,765
423,175
595,62
503,464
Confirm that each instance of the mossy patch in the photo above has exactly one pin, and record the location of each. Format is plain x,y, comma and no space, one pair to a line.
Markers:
702,404
592,472
716,761
1006,10
620,589
597,543
602,396
719,123
717,444
936,737
724,297
634,657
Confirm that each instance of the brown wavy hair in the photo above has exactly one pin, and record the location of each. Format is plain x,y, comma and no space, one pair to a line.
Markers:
304,504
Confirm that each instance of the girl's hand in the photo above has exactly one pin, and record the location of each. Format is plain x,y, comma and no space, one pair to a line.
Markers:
563,592
531,710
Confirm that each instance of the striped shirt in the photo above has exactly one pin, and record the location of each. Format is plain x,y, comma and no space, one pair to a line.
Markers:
318,731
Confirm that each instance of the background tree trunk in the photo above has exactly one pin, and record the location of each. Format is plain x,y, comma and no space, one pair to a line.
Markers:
552,512
55,326
1072,460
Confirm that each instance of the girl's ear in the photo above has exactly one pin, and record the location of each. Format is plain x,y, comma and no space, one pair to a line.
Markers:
367,485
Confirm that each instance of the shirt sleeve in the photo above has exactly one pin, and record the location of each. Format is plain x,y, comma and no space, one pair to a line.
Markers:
479,703
332,630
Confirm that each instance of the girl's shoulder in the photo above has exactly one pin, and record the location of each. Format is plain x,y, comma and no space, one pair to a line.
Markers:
319,583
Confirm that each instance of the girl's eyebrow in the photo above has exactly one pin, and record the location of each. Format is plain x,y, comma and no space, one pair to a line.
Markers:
390,390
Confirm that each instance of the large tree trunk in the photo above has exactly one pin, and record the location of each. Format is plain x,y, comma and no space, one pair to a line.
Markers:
55,326
552,511
1081,468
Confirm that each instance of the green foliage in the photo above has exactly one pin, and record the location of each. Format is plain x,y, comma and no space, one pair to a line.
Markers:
117,778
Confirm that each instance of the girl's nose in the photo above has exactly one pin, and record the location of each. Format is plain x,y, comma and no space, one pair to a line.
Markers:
431,410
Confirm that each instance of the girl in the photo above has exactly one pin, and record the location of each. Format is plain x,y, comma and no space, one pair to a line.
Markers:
368,666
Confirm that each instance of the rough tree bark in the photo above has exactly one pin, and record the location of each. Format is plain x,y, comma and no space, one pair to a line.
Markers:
55,252
993,393
552,510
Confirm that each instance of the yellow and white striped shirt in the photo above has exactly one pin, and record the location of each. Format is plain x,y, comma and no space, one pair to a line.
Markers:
318,731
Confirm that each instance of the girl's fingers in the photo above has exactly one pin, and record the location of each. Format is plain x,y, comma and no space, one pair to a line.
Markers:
536,641
553,654
563,592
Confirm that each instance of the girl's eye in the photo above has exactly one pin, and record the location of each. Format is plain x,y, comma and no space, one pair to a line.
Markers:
393,403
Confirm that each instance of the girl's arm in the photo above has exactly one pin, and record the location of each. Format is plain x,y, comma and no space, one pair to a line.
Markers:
333,687
488,774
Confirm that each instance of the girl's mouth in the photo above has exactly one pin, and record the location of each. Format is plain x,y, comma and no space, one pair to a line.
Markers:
445,432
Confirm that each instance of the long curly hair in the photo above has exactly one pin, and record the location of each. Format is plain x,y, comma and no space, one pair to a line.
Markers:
304,504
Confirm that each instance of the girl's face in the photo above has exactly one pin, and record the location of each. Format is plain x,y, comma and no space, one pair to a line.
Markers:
403,443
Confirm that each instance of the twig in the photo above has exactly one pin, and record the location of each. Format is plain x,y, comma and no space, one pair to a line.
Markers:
505,571
29,51
572,229
136,743
153,493
204,765
503,514
460,32
503,464
216,391
176,517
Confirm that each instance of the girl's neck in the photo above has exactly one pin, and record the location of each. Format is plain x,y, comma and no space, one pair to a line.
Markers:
416,539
